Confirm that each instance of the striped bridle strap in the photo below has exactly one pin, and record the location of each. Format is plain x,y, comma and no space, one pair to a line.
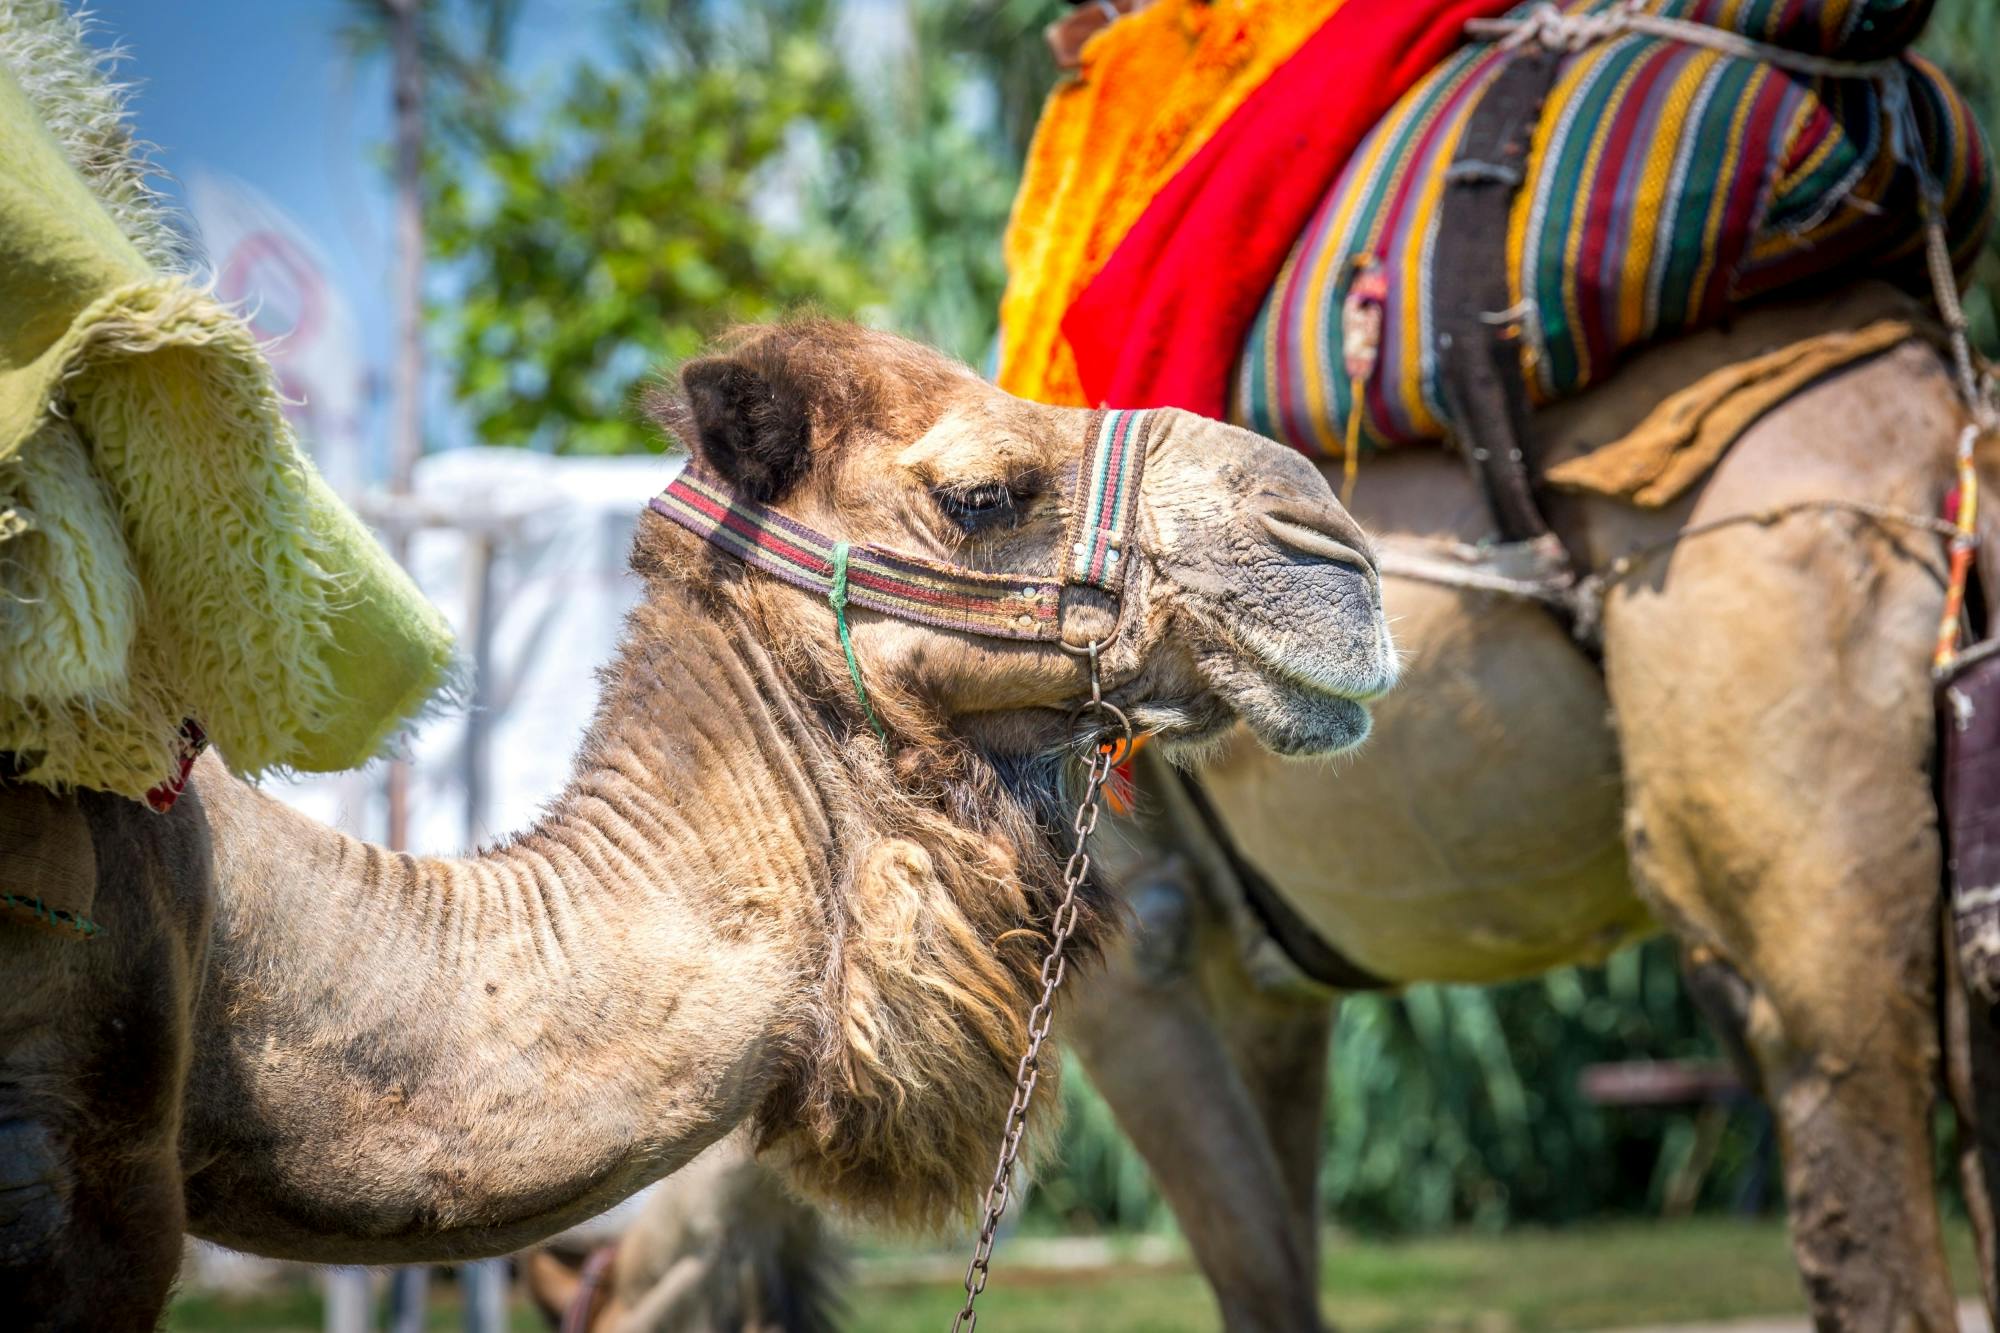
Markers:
1103,504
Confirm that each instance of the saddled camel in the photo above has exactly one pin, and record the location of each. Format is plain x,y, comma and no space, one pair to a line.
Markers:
722,1247
1750,767
744,908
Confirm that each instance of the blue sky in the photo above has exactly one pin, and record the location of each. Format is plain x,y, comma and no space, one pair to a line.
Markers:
265,91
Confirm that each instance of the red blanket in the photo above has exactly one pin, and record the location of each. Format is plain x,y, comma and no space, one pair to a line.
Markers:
1161,324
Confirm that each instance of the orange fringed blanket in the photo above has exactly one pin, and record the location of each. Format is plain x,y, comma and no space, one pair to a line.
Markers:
1167,183
1152,89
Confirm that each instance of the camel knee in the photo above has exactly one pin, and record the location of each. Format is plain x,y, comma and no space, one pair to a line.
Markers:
36,1182
1852,1101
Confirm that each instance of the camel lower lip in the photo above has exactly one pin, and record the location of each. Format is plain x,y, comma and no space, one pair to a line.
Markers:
1326,724
1340,685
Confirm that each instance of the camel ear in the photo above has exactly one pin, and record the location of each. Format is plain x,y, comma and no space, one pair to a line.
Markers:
753,429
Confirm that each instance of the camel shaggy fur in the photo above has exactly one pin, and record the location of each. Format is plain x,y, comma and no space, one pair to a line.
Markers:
743,908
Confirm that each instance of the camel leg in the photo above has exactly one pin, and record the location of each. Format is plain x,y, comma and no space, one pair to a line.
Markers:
1146,1024
1279,1046
1773,707
1839,1012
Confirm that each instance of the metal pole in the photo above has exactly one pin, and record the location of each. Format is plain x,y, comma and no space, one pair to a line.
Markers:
409,1298
406,440
480,550
484,1287
347,1300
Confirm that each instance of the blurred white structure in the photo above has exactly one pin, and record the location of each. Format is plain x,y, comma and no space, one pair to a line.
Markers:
526,555
267,264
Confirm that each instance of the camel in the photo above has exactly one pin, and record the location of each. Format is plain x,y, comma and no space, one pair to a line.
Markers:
744,908
722,1247
1749,768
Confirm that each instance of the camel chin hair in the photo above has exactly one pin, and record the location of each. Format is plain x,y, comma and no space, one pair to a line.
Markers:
905,1080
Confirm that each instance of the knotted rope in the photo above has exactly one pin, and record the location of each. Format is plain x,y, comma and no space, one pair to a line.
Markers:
836,596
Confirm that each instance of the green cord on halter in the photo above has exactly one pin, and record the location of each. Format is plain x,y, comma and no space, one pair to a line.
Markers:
837,595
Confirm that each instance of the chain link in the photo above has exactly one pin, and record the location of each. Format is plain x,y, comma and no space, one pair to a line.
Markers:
1103,718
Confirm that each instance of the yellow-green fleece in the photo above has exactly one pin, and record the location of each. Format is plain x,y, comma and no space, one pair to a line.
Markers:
166,549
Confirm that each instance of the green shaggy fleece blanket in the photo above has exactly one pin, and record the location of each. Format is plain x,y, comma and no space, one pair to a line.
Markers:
167,551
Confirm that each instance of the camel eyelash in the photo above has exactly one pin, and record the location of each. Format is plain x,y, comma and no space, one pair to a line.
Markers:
975,508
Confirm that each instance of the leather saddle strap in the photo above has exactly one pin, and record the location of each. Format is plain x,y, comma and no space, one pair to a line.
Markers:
591,1290
1478,352
1310,951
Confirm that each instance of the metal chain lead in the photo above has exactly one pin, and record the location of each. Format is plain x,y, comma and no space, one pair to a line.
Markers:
1103,717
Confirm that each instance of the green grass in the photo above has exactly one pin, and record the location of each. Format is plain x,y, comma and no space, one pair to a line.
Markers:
1598,1277
1588,1278
296,1309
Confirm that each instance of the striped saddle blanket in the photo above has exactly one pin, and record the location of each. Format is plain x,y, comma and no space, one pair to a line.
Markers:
1666,182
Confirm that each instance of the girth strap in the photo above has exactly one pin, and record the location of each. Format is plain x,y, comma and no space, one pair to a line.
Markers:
1311,952
1478,336
1104,500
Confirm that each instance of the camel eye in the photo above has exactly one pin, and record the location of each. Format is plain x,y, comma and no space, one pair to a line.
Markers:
974,508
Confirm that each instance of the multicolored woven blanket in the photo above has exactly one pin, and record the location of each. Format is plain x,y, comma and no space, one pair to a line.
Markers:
1667,182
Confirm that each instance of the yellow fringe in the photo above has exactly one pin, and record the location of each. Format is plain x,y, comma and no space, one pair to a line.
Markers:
1152,89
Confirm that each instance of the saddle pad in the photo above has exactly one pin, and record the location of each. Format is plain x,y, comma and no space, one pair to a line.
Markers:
1688,433
1667,183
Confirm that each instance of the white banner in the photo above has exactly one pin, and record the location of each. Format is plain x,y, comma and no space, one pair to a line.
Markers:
267,264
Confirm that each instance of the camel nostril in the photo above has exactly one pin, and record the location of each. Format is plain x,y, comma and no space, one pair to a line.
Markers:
1310,539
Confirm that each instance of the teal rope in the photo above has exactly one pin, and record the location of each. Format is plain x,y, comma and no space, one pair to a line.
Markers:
837,595
54,916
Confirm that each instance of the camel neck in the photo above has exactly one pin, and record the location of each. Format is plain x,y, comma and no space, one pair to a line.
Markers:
406,1057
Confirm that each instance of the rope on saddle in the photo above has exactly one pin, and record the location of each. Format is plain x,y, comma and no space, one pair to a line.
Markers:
1548,26
55,918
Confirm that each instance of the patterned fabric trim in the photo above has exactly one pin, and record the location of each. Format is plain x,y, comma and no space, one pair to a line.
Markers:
998,606
1102,525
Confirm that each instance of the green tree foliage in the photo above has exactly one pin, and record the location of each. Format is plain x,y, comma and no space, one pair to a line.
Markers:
1462,1105
1964,39
592,236
714,164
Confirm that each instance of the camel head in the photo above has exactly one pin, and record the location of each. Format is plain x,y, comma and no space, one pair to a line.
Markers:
986,541
1246,591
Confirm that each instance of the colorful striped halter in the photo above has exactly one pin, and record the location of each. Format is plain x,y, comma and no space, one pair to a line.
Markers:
1103,504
